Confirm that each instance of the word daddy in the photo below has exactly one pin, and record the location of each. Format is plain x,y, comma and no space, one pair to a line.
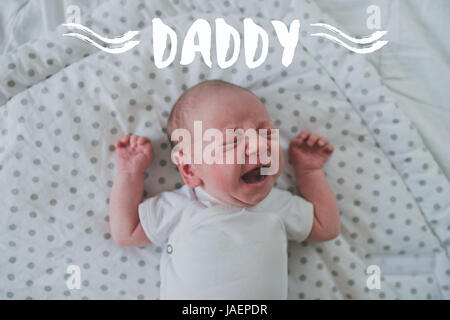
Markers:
224,32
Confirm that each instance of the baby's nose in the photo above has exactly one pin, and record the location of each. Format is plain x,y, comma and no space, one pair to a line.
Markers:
256,145
251,147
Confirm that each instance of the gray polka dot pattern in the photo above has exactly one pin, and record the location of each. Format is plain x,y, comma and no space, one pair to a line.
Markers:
63,104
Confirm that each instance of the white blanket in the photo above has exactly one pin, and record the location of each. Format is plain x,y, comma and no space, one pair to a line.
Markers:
63,104
415,66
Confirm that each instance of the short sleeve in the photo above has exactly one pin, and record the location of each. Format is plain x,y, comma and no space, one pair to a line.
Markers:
298,217
159,214
296,213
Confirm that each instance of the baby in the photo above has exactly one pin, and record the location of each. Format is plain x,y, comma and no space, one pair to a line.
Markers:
227,228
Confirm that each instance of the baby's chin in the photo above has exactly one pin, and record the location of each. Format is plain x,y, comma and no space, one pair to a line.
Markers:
252,195
254,200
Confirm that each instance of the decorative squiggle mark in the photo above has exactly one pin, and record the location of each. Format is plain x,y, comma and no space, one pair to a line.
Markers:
129,45
368,43
364,40
125,38
377,45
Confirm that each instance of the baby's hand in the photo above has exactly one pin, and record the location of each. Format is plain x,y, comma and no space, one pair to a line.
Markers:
309,151
134,154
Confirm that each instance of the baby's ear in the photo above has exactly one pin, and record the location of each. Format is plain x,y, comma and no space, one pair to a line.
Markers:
189,176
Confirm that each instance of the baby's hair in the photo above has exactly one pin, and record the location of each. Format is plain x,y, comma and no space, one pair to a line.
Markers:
188,100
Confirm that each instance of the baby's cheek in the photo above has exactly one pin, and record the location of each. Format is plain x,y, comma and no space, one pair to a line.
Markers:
222,175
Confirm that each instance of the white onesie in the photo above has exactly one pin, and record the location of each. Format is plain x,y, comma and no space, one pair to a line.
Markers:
220,251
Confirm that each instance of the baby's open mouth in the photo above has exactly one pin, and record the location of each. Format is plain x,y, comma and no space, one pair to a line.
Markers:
253,176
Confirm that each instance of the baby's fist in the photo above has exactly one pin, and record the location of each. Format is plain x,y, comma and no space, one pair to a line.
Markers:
134,154
309,151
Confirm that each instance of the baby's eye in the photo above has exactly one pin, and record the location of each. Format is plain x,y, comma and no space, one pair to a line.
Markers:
266,132
230,140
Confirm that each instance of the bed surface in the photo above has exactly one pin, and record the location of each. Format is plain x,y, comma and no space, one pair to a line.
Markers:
63,104
415,66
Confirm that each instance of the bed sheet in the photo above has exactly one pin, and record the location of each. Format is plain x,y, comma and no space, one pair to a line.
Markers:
22,21
415,66
63,104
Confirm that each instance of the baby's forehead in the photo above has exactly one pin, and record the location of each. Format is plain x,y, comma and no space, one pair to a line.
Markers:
235,118
228,96
218,105
217,92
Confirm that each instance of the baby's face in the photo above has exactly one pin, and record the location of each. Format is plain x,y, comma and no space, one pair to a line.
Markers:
233,183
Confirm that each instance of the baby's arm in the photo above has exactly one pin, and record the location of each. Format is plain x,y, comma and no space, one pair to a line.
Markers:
308,153
134,155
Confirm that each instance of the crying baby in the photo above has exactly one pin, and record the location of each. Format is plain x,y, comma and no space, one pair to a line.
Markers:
225,232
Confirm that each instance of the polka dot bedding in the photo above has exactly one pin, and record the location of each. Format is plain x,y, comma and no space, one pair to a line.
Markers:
64,103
